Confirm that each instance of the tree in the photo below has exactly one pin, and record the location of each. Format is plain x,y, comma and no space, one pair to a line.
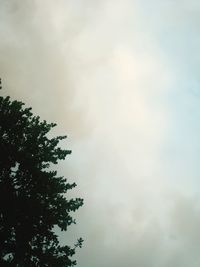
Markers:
32,196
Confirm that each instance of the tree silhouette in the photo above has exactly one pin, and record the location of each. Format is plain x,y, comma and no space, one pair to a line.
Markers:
32,196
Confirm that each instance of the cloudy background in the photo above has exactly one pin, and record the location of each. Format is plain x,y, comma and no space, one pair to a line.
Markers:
121,79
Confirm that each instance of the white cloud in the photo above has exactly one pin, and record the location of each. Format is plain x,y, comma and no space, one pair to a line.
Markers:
97,69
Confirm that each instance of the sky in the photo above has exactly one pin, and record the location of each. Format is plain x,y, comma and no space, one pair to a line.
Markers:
121,79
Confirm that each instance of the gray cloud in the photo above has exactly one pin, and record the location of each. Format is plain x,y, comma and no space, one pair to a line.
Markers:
97,68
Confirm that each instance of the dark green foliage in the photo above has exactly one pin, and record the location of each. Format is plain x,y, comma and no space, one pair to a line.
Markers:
32,200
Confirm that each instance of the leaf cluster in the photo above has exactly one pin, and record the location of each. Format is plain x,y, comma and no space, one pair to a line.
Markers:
32,196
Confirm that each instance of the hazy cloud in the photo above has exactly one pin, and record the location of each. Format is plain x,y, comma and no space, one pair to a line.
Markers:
105,71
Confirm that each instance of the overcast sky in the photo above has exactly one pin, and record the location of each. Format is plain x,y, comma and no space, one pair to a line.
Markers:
121,79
